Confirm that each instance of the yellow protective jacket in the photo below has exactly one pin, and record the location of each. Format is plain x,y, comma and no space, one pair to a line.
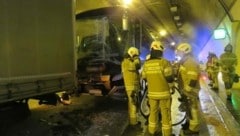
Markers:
189,72
130,67
228,60
155,72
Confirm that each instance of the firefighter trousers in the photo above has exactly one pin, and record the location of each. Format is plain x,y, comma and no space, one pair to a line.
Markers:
164,107
132,108
194,122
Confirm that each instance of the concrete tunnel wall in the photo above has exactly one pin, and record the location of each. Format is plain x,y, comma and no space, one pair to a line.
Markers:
236,33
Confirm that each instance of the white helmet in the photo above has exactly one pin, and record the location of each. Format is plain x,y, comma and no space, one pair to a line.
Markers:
157,45
133,51
184,47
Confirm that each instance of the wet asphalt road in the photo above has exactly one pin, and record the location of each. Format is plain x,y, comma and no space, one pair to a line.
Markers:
86,116
232,105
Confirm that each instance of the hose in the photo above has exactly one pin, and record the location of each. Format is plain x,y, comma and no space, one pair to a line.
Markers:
144,106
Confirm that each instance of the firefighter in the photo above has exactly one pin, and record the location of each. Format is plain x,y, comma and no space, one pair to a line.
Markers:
130,66
212,69
157,71
228,61
188,81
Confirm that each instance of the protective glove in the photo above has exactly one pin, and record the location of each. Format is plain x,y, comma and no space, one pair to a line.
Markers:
171,86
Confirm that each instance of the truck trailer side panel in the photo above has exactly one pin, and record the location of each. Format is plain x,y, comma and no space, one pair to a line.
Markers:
36,48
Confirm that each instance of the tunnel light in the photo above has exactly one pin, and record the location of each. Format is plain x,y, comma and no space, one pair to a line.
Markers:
126,3
125,22
179,23
119,39
173,43
173,9
219,33
163,32
176,18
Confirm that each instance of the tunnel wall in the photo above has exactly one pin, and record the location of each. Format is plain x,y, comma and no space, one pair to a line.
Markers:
217,46
236,41
235,11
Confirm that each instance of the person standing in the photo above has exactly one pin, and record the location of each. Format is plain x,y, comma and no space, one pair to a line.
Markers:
228,61
130,66
212,69
188,82
157,71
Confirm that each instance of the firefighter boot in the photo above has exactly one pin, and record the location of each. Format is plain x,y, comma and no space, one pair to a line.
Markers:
229,94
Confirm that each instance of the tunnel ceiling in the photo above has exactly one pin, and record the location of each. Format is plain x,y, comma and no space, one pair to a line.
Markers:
156,14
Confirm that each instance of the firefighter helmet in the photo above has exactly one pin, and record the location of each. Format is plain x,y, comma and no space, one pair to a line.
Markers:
228,48
132,51
157,45
184,47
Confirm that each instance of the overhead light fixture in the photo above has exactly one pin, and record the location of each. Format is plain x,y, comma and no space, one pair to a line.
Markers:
126,3
173,9
125,21
219,33
173,43
163,32
119,38
180,29
179,24
176,18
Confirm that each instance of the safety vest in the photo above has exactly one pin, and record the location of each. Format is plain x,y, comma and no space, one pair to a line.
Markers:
155,71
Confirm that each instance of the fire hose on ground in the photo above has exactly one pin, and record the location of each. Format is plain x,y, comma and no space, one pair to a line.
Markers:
144,106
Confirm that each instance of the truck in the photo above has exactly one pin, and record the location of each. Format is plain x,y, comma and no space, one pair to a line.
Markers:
103,38
99,56
36,49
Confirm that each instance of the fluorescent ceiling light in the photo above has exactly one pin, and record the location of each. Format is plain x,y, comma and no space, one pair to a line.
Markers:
176,17
173,43
173,9
163,32
179,23
219,33
127,2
